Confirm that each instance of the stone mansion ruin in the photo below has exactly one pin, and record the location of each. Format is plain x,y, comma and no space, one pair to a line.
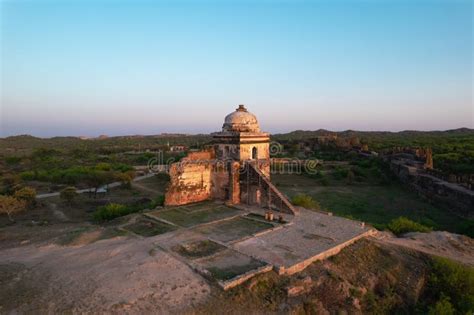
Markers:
235,168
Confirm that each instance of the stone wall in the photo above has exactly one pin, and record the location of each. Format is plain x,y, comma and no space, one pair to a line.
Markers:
451,196
189,182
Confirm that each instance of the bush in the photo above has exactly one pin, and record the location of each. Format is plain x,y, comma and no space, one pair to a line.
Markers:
305,201
125,179
114,210
27,194
443,306
451,285
68,194
404,225
340,173
110,211
10,205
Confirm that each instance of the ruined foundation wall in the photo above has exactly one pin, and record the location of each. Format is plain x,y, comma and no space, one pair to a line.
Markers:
453,197
189,182
219,183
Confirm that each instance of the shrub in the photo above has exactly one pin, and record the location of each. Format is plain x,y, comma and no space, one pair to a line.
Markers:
340,173
452,285
10,205
110,211
13,160
403,225
68,194
443,306
305,201
27,194
125,179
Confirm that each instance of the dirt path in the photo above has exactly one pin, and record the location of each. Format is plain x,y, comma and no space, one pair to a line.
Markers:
121,275
58,213
82,191
444,244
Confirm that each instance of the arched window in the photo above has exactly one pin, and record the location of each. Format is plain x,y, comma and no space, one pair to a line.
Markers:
254,153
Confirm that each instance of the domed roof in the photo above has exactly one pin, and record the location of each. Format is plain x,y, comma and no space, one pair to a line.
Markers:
241,121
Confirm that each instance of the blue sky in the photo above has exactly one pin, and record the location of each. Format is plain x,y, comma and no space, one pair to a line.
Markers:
146,67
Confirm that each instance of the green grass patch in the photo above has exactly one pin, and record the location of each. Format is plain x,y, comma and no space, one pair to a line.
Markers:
375,204
231,272
199,249
149,228
305,201
404,225
115,210
234,229
185,218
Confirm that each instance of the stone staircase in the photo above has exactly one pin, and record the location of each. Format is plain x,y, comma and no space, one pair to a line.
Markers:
274,198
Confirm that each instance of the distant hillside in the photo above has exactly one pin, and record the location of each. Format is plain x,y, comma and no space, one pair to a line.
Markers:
442,141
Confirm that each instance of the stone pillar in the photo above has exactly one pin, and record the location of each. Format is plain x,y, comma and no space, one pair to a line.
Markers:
234,183
258,197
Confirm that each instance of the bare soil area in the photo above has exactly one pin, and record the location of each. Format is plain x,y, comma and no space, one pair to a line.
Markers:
122,274
444,244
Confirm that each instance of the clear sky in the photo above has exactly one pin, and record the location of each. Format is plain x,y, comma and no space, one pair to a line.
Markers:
75,67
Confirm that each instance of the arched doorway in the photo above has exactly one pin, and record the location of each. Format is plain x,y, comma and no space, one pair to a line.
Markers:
254,153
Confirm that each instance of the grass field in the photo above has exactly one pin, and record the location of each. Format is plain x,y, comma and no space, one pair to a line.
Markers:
227,273
148,228
189,216
198,249
234,229
372,203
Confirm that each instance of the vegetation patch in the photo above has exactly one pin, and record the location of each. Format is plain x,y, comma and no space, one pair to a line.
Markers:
404,225
233,229
199,249
450,288
305,201
115,210
184,218
230,272
149,228
376,204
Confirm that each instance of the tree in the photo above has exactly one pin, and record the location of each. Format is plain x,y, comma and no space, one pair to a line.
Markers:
27,194
11,183
68,194
125,179
10,205
96,179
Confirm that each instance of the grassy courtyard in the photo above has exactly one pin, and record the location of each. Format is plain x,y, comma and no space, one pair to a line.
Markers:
233,229
188,216
147,228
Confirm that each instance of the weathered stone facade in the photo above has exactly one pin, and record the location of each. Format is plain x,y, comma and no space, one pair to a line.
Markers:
235,168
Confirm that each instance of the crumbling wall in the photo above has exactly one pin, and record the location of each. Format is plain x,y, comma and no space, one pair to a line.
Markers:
220,181
190,181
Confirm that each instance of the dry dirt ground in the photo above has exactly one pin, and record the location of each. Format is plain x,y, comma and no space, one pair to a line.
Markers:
453,246
130,274
120,274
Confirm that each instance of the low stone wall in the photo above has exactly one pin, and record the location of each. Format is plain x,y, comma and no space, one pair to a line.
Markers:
321,256
452,196
229,284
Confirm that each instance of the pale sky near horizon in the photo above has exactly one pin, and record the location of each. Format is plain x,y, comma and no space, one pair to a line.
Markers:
146,67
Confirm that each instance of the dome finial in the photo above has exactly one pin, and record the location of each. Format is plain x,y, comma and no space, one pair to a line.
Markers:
241,108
